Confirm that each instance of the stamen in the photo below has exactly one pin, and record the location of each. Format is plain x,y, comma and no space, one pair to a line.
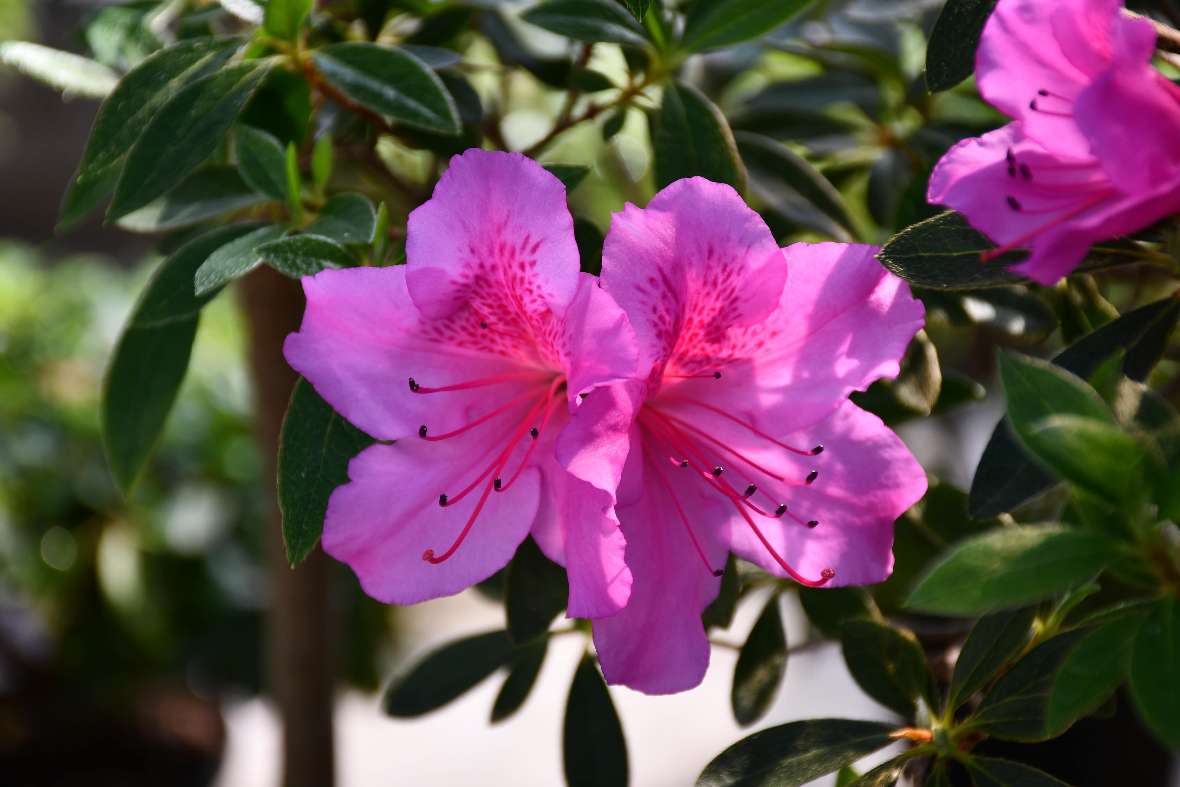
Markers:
534,432
480,383
498,484
429,555
483,324
814,474
683,517
825,576
717,471
442,501
991,254
750,490
709,376
414,385
748,426
1014,203
483,419
782,509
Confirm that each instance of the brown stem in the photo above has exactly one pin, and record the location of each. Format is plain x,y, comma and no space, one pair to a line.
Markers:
592,111
299,662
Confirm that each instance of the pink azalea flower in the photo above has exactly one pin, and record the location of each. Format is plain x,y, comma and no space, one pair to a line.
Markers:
468,362
744,438
1094,148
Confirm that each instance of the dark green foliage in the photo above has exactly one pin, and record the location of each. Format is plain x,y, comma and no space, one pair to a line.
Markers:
761,665
593,747
950,56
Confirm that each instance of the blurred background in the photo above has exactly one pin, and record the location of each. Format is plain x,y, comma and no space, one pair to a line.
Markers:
131,632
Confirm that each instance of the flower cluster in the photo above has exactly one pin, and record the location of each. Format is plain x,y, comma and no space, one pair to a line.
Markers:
1093,150
691,402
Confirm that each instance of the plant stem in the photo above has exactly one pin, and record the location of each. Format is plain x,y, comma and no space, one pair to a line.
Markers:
565,123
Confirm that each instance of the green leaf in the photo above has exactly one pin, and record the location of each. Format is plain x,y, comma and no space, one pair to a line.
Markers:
234,259
761,665
294,184
994,772
183,134
304,255
1155,672
346,218
522,676
914,392
536,593
1009,567
1007,476
614,124
262,162
884,775
690,137
1017,706
588,20
829,609
950,53
992,643
446,674
315,447
392,83
638,8
594,750
1094,455
888,664
72,74
796,753
322,160
1037,389
590,240
206,194
946,253
1091,672
284,18
134,101
719,613
569,174
712,24
151,357
784,177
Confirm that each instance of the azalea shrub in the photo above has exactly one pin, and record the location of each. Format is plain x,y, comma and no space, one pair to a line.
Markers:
615,311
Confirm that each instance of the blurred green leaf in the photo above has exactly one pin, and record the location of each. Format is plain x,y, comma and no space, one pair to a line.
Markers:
322,160
446,674
262,162
588,20
638,8
888,664
536,593
795,754
569,174
593,747
1155,671
206,194
522,676
829,609
994,772
719,613
1009,567
151,358
1095,455
1037,389
761,665
294,184
304,255
1091,672
234,259
785,175
950,54
993,641
690,136
390,82
1016,708
713,24
315,446
284,18
590,241
183,134
72,74
347,218
133,102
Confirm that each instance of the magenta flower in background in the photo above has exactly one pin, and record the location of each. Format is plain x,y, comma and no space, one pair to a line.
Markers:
470,360
1093,151
746,372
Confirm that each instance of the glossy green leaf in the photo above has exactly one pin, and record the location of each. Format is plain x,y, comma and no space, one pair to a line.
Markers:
234,259
151,357
590,240
390,82
122,117
950,54
945,253
206,194
795,754
761,665
72,74
284,18
888,664
588,20
536,593
994,772
446,674
1095,455
884,775
262,162
712,24
719,613
1037,389
183,134
1091,672
522,676
785,176
593,747
638,8
1009,567
569,174
992,643
690,137
1155,672
347,218
1017,707
315,447
829,609
305,255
